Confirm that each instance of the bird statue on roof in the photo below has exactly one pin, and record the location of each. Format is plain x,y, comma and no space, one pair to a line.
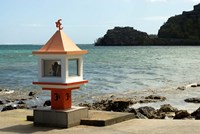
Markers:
58,24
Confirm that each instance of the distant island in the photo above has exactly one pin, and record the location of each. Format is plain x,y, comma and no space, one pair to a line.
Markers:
181,30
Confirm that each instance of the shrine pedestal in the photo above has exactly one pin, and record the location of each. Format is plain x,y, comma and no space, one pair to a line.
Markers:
59,118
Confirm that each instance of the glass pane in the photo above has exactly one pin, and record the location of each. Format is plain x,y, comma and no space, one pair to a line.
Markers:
52,68
73,67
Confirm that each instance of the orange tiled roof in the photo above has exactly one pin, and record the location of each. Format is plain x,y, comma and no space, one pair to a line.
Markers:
59,43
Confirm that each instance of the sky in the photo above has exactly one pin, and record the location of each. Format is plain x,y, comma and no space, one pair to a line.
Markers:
33,21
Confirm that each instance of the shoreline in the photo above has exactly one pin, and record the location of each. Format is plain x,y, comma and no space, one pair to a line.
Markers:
173,96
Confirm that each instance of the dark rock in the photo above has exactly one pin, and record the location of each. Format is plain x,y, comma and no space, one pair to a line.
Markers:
147,111
1,90
196,114
117,105
167,108
192,100
32,93
152,98
181,88
181,114
158,115
156,97
193,85
8,101
138,115
111,104
1,102
47,103
198,84
112,96
34,106
147,101
21,102
6,108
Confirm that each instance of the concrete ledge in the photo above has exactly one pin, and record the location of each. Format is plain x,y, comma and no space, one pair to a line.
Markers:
103,118
59,118
14,121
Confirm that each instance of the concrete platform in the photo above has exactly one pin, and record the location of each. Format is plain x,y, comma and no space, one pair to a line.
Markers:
14,121
59,118
102,118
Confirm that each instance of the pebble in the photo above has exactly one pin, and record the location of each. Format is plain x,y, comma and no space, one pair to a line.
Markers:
32,93
47,103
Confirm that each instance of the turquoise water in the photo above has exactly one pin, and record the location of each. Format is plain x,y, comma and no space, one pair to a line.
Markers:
114,70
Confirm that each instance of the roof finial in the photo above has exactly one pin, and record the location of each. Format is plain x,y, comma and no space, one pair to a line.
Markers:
58,24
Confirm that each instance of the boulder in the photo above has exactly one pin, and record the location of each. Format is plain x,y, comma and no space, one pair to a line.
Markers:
138,115
196,114
167,108
110,104
117,105
192,100
9,107
181,114
47,103
147,111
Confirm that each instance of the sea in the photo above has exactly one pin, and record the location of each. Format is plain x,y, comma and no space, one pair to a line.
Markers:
123,71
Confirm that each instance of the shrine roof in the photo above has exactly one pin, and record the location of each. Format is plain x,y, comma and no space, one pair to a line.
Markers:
59,43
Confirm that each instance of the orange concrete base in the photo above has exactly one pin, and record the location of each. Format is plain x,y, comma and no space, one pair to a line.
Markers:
61,99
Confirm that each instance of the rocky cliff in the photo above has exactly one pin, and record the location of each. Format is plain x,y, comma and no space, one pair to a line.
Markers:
121,36
184,26
181,29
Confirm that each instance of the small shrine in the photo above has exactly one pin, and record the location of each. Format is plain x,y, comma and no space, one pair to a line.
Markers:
60,70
